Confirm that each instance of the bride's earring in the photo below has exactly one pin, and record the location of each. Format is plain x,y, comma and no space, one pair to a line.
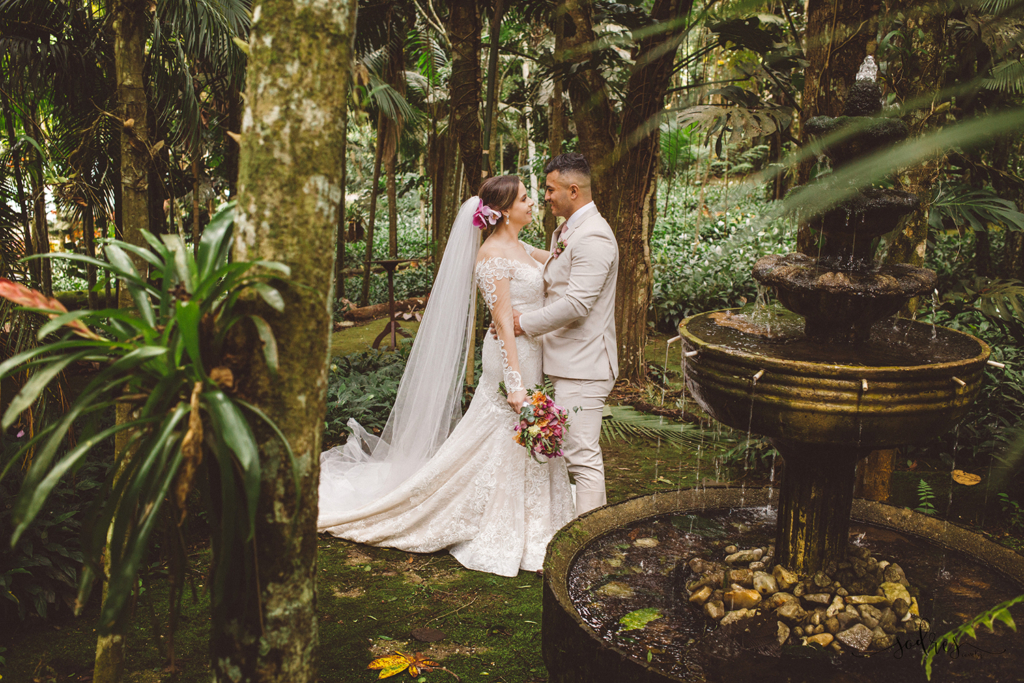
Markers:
506,219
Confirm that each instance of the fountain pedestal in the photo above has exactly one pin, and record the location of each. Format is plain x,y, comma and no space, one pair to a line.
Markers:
814,505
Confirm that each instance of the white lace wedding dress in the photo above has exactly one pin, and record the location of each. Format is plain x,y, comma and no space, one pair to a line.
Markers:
480,496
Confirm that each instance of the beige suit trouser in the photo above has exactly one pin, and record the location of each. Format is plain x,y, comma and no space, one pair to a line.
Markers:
582,445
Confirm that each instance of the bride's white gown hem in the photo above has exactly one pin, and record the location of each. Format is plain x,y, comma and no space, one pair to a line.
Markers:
480,496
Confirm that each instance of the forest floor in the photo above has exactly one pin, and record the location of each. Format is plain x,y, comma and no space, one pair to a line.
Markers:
375,601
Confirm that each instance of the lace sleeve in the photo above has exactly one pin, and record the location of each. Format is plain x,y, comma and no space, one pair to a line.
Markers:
529,249
492,277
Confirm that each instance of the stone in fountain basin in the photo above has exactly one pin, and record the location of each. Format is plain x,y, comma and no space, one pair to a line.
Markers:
574,653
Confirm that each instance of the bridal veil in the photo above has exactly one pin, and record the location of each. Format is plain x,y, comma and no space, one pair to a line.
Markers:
429,400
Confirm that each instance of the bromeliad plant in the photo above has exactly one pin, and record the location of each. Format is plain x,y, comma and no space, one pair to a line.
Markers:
166,365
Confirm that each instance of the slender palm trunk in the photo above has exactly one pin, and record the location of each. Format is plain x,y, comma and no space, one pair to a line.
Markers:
41,228
89,238
12,141
382,123
339,259
392,189
490,118
130,23
195,203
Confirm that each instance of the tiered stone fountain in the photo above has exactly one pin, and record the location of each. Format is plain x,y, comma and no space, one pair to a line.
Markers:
827,392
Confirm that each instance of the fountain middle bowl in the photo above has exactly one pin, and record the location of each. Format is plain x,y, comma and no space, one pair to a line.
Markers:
903,386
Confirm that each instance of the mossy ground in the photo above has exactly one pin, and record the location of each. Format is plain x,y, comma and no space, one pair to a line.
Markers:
370,600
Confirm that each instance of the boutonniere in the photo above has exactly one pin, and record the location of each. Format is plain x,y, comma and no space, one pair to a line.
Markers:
559,248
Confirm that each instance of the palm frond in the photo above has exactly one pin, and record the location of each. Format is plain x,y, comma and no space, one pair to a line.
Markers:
1007,77
626,423
962,207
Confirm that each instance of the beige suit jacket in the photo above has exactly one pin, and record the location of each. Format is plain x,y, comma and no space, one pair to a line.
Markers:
578,317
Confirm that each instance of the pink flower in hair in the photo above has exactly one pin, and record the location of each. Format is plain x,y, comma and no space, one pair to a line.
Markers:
485,215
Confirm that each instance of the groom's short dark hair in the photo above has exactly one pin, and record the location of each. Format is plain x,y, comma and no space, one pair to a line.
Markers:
573,162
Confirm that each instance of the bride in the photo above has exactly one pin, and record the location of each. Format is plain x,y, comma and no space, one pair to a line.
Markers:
432,481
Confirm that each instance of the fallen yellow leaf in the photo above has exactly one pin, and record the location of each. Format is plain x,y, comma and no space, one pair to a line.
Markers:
966,478
397,662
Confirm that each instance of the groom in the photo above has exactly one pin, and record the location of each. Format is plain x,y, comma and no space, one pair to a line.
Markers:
578,319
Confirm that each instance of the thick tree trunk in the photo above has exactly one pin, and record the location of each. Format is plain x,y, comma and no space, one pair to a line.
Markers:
556,125
596,121
382,125
625,169
130,24
288,197
909,243
464,33
446,172
837,41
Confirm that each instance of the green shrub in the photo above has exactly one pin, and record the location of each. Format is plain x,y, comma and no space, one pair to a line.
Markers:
703,263
39,574
363,386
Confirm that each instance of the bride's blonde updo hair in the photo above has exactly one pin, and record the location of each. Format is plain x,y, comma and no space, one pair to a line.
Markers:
499,192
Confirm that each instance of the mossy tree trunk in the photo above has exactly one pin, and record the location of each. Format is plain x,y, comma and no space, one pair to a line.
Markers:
839,35
623,154
922,76
130,24
288,198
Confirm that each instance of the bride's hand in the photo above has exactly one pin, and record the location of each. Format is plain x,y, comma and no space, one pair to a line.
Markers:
516,400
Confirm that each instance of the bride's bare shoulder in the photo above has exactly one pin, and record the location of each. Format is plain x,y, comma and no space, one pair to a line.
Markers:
490,249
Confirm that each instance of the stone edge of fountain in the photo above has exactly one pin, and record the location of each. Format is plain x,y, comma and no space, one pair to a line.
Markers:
828,369
581,655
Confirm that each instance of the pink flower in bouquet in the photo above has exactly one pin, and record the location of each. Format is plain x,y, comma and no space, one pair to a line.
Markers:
541,425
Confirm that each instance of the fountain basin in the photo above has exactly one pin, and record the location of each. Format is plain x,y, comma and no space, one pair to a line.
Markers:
901,388
575,653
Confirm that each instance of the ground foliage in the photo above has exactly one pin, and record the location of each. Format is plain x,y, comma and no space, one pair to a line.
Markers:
363,386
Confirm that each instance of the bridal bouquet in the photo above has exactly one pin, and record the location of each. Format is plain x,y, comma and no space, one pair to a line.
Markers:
542,424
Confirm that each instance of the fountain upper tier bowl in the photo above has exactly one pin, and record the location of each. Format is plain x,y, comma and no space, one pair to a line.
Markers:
841,305
900,387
